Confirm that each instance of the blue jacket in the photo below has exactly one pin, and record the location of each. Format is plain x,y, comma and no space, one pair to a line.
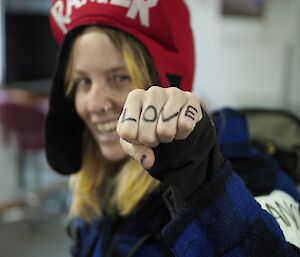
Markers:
221,219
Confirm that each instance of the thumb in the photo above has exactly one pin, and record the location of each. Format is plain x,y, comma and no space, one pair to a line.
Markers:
141,153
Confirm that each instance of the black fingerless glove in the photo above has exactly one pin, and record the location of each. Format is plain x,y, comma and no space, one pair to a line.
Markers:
185,165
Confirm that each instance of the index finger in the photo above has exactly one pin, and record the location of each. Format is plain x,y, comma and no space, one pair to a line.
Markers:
128,123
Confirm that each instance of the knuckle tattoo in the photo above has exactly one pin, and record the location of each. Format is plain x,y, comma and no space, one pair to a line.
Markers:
191,112
165,117
150,114
125,117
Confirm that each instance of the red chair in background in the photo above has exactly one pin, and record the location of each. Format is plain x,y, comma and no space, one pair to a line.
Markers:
23,115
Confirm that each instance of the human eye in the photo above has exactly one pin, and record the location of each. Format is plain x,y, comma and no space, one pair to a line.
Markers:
81,83
120,80
122,77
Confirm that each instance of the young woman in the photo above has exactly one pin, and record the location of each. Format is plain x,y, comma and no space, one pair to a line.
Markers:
148,176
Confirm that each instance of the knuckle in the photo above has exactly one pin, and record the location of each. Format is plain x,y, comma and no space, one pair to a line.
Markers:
181,136
156,91
127,134
175,92
165,133
135,93
148,140
191,96
185,126
166,139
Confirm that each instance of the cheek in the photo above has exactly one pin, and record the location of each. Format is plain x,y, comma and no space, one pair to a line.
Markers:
80,105
122,98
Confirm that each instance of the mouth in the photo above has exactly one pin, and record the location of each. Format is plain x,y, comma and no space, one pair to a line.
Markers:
107,127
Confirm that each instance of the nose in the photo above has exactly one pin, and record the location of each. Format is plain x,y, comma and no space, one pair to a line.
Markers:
99,98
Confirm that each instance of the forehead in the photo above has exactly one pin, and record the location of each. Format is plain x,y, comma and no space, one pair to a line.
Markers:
94,48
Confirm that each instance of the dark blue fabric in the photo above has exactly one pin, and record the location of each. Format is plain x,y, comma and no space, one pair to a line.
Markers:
233,134
228,227
231,127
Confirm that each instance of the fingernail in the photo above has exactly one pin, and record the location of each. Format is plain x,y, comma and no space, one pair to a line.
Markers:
143,158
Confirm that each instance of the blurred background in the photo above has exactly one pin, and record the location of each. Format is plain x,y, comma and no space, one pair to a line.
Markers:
248,56
33,199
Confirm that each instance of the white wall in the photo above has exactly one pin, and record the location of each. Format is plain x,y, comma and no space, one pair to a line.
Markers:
244,62
295,76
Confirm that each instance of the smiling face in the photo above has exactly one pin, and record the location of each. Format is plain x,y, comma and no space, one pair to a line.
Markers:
101,82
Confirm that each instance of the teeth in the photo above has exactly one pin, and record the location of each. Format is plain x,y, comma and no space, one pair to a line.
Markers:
107,126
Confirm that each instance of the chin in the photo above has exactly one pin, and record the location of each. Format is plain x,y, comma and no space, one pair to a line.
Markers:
113,153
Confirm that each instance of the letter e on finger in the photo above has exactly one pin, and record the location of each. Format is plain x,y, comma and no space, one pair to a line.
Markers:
190,114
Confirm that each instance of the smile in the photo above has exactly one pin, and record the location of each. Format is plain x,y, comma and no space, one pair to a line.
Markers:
107,126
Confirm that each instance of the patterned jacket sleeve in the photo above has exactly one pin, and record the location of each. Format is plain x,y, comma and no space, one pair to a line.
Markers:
223,219
214,213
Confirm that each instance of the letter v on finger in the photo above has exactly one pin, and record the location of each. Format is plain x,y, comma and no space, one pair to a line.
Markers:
165,119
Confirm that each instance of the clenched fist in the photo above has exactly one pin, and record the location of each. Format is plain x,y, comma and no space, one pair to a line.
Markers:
154,116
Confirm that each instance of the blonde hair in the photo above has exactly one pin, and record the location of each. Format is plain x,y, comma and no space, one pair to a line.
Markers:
132,183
